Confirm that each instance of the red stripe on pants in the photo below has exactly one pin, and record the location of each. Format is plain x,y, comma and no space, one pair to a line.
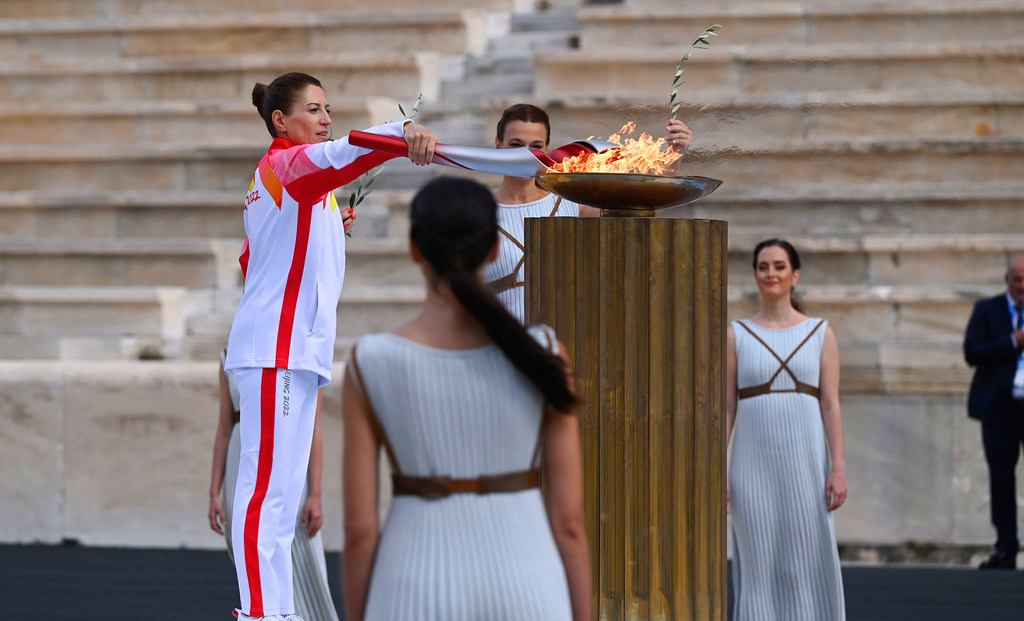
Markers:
268,399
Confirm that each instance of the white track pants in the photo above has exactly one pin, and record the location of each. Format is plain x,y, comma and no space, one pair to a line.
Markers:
278,409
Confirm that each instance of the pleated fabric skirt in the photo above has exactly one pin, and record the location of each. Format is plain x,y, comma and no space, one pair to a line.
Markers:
468,557
312,592
785,562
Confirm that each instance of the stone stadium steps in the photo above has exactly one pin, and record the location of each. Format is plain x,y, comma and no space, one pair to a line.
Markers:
193,214
193,263
364,308
896,260
89,9
827,163
915,313
878,371
155,167
343,74
170,36
180,168
228,122
880,329
765,119
96,214
182,262
948,207
81,322
922,6
781,68
675,25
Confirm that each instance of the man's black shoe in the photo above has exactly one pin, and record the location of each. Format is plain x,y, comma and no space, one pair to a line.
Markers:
1000,560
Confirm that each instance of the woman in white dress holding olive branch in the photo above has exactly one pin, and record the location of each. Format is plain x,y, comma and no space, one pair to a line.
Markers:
787,472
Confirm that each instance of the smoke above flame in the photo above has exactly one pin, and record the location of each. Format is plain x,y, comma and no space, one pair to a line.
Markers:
641,155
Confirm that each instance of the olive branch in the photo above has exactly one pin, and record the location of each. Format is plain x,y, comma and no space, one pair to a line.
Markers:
362,189
703,42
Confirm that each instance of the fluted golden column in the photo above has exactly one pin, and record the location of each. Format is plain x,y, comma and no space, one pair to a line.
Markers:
640,305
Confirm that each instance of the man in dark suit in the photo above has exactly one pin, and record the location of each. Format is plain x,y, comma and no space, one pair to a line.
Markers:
993,344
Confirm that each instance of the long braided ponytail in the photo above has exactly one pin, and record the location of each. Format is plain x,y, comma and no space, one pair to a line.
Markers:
455,225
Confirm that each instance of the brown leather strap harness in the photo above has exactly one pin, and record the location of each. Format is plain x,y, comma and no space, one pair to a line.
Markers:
509,281
766,388
443,486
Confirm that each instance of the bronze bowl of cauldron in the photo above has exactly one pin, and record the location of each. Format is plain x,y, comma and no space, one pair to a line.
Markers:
625,194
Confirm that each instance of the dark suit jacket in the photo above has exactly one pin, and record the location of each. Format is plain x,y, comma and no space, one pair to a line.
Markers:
988,347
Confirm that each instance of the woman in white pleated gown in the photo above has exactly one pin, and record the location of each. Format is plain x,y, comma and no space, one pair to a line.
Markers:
470,407
786,471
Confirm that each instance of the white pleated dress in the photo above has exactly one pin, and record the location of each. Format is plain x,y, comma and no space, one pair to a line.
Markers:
465,557
509,262
785,562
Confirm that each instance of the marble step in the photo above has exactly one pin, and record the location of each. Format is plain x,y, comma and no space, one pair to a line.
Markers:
142,322
58,9
765,119
888,260
757,119
97,214
343,74
868,260
861,209
920,5
839,258
851,162
182,262
83,428
864,260
178,168
914,313
153,215
783,68
945,207
363,309
677,24
166,36
92,322
225,123
910,209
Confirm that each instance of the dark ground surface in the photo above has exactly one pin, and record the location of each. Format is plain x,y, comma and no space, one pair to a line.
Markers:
57,583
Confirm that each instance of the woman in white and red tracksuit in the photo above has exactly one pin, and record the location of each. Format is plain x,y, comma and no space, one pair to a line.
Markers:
281,346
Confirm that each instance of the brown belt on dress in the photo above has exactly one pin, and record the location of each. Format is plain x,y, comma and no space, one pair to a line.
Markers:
504,283
441,487
765,389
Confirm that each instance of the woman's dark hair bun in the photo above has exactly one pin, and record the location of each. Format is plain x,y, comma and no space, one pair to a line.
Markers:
258,93
280,94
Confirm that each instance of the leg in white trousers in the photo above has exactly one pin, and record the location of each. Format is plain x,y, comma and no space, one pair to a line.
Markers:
278,409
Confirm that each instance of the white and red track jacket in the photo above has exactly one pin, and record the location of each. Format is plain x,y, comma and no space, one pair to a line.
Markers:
293,259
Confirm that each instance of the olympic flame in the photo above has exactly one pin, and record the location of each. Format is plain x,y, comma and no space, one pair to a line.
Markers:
643,155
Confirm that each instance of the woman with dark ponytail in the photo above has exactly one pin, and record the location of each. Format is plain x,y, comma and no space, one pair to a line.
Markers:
787,472
281,346
470,407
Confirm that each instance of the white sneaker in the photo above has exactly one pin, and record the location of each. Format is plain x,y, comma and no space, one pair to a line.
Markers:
241,616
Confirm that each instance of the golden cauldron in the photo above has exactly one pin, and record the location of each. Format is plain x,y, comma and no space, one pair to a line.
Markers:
624,194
